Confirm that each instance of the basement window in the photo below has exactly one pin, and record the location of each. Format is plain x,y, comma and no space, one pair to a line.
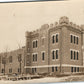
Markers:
52,69
71,69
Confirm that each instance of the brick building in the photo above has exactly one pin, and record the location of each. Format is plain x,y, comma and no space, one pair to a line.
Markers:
12,62
57,47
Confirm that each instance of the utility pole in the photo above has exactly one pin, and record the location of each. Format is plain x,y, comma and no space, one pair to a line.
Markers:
20,63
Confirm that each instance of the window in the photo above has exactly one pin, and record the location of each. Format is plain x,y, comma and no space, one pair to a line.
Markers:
56,38
35,44
77,40
77,55
56,68
33,70
3,70
34,57
18,70
53,54
10,59
71,69
77,69
74,55
43,56
56,54
52,69
53,39
10,70
74,39
71,38
71,54
3,60
74,69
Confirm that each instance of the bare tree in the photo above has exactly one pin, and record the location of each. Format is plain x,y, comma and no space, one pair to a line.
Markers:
19,45
4,59
20,59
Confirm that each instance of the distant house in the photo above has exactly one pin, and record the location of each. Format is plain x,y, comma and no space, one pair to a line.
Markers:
14,62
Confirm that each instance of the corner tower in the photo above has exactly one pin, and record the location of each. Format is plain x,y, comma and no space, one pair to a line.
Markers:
28,52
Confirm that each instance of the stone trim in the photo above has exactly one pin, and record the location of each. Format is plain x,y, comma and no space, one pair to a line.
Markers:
54,49
54,34
68,65
35,53
34,40
74,35
45,66
74,50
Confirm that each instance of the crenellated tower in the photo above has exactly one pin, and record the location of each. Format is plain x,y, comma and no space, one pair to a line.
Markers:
28,51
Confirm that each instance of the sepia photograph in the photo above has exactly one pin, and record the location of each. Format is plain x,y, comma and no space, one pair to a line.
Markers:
42,42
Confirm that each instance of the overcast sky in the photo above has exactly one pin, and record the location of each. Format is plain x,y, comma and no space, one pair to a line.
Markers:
17,18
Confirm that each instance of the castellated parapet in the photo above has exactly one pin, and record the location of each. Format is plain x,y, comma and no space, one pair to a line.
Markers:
82,27
55,24
44,27
62,21
51,25
27,34
74,25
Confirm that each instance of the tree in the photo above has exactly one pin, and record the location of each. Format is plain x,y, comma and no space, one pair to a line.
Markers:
4,58
20,59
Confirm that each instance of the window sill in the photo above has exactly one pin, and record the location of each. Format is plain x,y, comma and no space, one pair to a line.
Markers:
55,60
74,43
74,60
54,43
35,48
43,61
34,62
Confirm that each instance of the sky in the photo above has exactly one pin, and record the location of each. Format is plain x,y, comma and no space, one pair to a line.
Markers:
17,18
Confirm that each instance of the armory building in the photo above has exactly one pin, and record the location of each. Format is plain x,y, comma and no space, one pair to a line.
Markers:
55,48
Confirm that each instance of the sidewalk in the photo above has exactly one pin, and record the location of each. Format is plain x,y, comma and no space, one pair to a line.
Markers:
47,80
